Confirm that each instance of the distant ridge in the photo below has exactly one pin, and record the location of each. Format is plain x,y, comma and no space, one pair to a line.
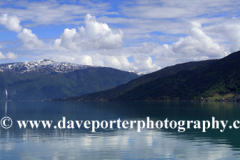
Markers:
47,79
46,65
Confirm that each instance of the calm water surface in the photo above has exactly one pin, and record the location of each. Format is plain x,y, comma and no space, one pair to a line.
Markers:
57,144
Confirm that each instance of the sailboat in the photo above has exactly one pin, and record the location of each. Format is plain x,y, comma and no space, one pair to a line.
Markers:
6,92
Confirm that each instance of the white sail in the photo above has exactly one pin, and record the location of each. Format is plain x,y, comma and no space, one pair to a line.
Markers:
6,92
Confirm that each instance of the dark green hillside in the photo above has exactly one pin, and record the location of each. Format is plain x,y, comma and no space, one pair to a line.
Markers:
122,89
210,80
219,80
42,85
215,79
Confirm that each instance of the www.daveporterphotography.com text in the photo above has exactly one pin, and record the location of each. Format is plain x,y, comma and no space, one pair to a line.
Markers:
94,125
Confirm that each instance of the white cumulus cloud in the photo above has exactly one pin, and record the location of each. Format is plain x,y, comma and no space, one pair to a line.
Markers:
8,56
10,22
198,44
96,35
194,47
231,32
30,40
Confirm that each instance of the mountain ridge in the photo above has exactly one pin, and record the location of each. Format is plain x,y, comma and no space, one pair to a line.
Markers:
48,65
47,79
219,81
39,65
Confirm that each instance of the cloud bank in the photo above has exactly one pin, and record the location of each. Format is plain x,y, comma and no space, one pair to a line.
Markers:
9,55
137,35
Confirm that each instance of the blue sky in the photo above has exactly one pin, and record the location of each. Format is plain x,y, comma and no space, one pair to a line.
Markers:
137,35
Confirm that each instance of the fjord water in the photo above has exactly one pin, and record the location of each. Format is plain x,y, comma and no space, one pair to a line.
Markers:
64,144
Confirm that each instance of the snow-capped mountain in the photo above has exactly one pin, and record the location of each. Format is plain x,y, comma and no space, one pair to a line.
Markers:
48,79
45,65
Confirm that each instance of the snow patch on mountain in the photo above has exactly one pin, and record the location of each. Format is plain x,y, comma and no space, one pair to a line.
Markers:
45,65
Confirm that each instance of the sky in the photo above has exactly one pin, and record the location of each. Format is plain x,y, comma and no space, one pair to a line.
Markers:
133,35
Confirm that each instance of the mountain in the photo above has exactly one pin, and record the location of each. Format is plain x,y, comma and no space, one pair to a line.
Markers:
47,79
133,90
45,65
218,81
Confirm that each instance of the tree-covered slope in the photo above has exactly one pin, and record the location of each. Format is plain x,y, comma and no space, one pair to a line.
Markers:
221,78
146,79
